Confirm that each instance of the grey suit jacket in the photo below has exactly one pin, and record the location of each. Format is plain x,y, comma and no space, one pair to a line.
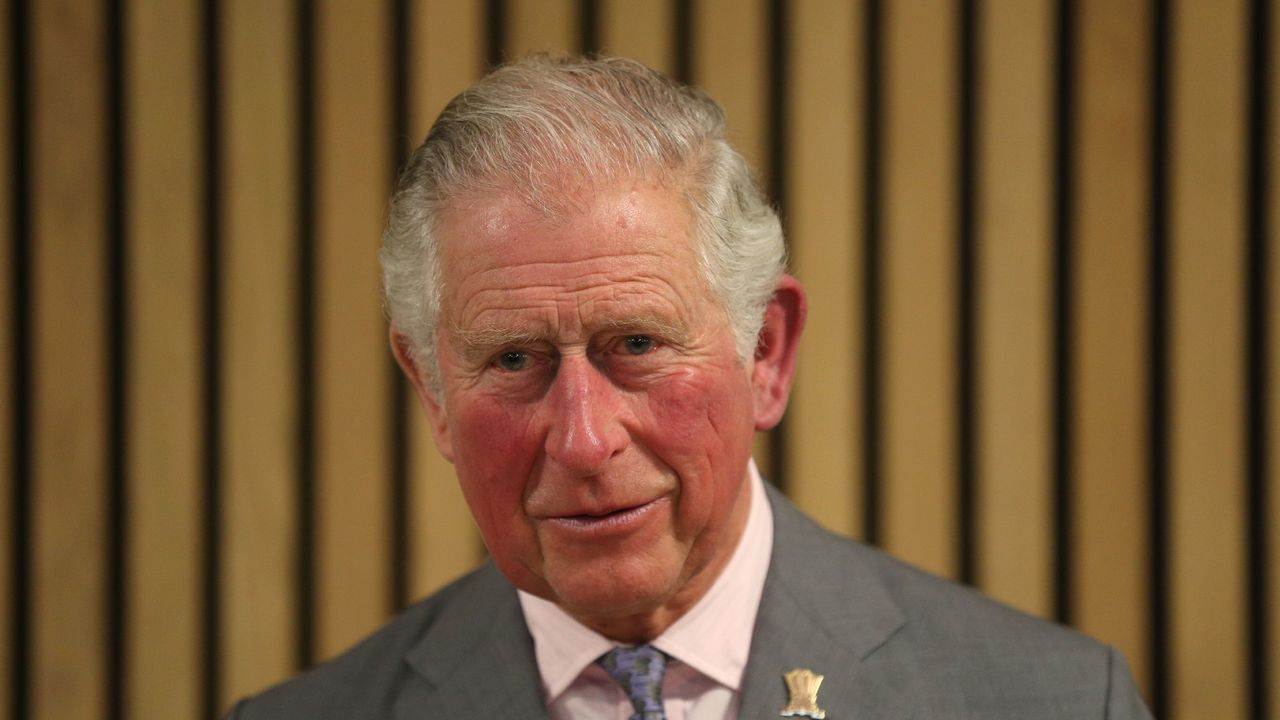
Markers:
891,641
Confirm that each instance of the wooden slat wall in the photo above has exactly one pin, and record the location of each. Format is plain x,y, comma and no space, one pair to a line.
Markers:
446,54
1029,231
259,612
1015,294
919,297
1108,307
70,336
825,190
163,334
1206,343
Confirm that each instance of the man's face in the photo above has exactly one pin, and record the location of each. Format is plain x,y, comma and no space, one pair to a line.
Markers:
593,402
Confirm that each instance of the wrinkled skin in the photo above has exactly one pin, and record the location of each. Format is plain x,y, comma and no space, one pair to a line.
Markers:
593,403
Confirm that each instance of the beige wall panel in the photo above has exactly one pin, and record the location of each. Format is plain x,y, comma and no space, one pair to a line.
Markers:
6,367
549,26
1273,355
352,393
68,251
1015,256
164,410
730,59
644,31
824,203
1208,673
1109,312
919,285
259,421
443,540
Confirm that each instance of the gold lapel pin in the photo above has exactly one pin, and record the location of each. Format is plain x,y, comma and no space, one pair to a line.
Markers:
802,686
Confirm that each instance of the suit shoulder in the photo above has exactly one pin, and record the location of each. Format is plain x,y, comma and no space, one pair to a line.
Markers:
360,683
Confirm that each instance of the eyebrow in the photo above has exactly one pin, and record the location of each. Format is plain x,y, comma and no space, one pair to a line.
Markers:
489,338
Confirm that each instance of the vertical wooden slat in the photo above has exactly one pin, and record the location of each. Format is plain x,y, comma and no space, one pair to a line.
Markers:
70,336
6,366
824,203
731,64
352,563
639,30
1109,308
549,26
1207,446
164,448
259,421
919,282
448,49
1015,247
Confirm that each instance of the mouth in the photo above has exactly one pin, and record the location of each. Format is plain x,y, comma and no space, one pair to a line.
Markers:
616,519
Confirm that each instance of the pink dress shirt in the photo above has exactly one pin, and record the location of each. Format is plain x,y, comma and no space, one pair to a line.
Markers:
708,645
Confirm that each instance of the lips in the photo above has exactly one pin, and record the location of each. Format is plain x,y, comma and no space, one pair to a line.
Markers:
619,518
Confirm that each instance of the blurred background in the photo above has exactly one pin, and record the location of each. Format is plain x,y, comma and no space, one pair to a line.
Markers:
1043,356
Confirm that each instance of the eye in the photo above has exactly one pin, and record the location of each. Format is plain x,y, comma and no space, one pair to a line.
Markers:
513,360
638,344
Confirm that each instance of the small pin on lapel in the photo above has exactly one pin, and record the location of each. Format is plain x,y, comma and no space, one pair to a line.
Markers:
802,686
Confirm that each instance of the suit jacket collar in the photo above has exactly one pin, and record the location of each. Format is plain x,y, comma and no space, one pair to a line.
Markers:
825,609
479,662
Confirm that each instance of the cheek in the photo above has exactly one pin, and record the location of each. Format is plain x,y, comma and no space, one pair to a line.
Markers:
702,427
493,453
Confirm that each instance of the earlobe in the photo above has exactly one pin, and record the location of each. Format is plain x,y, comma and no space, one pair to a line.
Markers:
436,416
775,360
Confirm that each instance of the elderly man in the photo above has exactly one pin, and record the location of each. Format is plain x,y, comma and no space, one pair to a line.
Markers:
588,292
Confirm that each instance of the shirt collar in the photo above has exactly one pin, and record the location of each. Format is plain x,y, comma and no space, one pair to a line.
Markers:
713,637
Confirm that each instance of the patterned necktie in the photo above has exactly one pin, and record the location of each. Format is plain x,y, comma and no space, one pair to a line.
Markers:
639,671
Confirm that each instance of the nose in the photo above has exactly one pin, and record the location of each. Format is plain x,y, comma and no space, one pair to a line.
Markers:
584,407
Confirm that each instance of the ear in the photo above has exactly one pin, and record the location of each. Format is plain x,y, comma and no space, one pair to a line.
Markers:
775,360
435,411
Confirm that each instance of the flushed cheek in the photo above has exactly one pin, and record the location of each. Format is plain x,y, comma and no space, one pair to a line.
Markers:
696,427
495,449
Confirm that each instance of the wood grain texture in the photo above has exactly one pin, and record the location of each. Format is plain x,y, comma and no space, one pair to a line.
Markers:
919,284
352,560
70,341
640,30
729,62
165,442
1109,316
825,213
443,540
1207,554
258,306
1014,244
542,26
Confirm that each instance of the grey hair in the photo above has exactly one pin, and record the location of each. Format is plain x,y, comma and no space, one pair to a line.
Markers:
531,127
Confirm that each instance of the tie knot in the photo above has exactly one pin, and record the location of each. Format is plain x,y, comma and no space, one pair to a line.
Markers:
639,671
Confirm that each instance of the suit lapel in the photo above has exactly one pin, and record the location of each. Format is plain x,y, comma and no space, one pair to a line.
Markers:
823,609
476,662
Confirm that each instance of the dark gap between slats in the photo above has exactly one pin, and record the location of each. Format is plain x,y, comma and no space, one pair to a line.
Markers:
589,27
20,464
682,31
872,175
117,323
776,105
304,648
1258,389
495,33
211,380
1063,337
966,290
398,447
1158,386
